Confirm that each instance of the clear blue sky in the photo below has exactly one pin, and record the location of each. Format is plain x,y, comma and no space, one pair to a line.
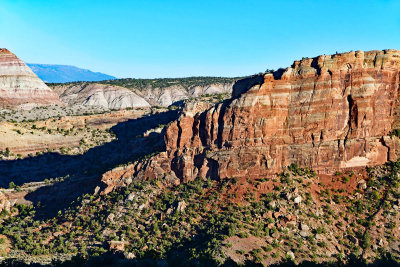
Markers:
179,38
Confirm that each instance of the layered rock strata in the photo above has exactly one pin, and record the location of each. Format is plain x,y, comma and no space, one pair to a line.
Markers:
20,87
328,113
101,95
90,94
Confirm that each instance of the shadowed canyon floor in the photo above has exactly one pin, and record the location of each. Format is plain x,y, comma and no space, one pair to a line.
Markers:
82,172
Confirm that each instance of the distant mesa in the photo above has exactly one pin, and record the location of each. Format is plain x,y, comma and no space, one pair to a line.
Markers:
20,87
64,73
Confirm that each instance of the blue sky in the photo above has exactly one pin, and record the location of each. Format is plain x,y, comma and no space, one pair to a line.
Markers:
180,38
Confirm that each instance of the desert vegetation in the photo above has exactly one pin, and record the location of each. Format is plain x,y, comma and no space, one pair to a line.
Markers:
296,216
162,83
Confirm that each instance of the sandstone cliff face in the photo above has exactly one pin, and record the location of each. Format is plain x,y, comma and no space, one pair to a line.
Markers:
327,113
19,86
101,95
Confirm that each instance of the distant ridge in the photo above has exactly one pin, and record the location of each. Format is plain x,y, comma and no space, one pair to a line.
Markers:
64,73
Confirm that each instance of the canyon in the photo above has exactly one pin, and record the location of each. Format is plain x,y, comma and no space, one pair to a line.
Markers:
299,164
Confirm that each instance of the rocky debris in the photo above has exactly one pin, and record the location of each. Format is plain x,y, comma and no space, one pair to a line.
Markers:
181,206
304,233
20,87
291,224
169,211
117,245
362,184
117,177
110,217
4,202
319,213
272,204
304,227
297,200
290,254
131,196
96,190
129,255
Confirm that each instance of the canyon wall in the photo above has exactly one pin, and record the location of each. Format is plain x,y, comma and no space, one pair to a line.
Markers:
20,87
327,113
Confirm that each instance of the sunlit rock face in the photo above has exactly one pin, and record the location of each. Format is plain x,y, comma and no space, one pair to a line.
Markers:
119,97
20,87
101,95
328,113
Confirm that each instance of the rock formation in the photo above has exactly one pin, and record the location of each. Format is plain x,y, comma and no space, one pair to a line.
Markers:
328,113
108,96
19,86
120,97
168,95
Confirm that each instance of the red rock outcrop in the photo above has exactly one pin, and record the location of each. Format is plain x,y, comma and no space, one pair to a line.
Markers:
19,86
328,113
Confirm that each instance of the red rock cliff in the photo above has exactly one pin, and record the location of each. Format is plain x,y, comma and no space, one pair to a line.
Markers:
327,113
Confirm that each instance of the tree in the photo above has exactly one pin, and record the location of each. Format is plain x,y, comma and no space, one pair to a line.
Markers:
12,185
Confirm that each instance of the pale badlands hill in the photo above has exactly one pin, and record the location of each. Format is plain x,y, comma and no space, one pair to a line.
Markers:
132,93
20,87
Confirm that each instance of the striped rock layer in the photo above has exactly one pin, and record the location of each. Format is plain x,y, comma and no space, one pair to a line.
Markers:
19,86
327,113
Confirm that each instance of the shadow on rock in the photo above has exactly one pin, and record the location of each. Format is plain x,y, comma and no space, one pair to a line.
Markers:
83,172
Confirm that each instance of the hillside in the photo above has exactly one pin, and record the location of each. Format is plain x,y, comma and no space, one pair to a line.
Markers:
20,88
64,73
297,217
142,92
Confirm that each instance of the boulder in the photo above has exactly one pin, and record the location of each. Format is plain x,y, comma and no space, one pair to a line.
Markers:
297,200
181,206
